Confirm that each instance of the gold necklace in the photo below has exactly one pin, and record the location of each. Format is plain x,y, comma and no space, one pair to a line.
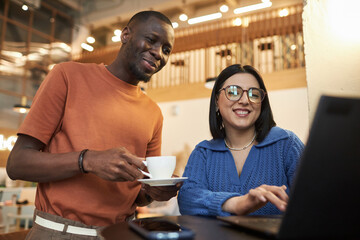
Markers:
240,149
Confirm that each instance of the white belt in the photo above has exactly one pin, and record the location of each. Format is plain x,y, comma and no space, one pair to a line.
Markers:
60,227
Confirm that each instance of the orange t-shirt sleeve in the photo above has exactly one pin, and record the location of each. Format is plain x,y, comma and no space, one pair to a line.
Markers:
47,107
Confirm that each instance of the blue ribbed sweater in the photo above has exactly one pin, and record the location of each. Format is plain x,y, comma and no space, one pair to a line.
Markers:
212,175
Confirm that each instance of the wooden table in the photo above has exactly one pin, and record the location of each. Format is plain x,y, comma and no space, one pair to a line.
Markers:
203,227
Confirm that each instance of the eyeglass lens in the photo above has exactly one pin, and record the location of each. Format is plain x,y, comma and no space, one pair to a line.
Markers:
234,93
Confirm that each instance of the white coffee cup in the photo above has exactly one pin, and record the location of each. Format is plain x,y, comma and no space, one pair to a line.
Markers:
161,167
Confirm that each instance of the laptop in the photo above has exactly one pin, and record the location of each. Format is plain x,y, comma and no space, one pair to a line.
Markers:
324,201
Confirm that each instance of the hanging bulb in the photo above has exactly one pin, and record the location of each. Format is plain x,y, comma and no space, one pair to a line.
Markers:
183,17
23,107
224,8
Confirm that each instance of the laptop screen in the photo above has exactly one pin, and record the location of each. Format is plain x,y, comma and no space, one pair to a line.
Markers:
325,197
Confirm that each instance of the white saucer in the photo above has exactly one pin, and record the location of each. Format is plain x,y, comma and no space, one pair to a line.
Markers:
163,182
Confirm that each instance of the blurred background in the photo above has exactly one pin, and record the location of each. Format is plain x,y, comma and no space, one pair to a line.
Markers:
302,48
297,46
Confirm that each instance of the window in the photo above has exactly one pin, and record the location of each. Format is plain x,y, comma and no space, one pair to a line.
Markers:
63,29
15,33
32,41
17,14
43,20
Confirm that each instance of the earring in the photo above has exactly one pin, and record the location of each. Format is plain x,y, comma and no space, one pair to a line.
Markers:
222,127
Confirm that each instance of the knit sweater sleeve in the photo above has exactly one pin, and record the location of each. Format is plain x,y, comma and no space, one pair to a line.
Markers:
194,197
292,156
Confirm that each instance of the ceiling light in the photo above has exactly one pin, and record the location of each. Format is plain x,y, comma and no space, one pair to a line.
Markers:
205,18
90,39
63,46
224,8
175,25
25,7
43,51
117,32
12,54
23,107
87,47
252,7
183,17
116,38
237,22
283,13
34,56
7,143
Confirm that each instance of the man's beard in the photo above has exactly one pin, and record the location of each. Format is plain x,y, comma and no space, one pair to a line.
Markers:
139,75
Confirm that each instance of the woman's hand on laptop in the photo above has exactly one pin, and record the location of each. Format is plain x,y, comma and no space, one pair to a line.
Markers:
257,198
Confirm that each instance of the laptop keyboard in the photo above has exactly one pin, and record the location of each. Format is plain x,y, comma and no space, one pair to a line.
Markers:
262,224
269,222
268,225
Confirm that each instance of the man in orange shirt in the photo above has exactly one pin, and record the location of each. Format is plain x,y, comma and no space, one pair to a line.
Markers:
89,129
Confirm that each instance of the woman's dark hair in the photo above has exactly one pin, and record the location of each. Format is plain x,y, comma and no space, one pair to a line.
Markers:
265,121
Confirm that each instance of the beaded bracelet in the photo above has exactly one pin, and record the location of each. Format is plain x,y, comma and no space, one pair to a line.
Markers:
80,161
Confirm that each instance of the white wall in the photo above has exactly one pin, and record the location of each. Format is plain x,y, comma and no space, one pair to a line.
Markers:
291,110
332,48
186,122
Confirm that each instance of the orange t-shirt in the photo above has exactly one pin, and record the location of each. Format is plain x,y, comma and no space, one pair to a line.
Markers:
81,106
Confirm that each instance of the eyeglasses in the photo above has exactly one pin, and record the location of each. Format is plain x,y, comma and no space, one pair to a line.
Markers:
234,93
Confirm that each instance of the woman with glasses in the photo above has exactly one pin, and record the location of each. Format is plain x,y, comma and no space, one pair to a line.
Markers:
248,166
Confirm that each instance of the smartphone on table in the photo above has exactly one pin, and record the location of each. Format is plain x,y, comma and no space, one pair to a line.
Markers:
153,228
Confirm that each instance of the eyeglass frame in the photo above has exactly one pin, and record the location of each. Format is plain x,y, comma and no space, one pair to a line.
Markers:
243,90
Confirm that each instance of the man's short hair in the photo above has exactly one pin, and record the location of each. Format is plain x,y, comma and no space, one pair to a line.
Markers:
145,15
